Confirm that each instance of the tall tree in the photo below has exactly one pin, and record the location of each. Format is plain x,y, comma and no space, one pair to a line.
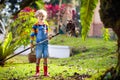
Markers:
110,16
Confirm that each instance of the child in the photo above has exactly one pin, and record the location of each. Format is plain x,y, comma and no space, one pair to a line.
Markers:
40,31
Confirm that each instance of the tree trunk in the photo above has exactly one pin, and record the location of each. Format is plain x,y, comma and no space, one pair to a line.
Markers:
118,63
117,31
1,1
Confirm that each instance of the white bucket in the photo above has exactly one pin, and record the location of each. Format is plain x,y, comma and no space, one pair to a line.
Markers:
55,51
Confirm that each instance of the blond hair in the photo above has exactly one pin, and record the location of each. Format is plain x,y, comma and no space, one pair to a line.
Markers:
41,12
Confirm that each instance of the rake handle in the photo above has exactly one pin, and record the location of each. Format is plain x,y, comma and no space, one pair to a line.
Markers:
28,48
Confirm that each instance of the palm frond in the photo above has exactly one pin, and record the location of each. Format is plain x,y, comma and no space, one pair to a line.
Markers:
40,4
1,51
86,12
7,42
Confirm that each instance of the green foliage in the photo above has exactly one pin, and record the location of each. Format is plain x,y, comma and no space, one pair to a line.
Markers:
86,11
7,42
7,47
22,26
40,4
106,35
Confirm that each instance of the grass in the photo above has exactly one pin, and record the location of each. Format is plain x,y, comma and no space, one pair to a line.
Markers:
92,56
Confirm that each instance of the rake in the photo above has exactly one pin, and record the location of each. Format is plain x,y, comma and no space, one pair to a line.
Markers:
26,49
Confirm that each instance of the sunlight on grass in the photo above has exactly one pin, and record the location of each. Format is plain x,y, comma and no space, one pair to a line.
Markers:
97,57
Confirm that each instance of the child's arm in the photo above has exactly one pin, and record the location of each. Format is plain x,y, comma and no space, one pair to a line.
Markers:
33,32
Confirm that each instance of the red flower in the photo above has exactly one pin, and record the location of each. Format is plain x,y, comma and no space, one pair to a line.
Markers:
28,9
53,10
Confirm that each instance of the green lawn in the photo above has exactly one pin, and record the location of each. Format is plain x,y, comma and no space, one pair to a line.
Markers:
92,56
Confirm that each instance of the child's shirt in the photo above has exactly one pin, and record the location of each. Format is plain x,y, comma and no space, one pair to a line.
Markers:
40,32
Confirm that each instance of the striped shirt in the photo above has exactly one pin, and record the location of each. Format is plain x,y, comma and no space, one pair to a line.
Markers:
40,32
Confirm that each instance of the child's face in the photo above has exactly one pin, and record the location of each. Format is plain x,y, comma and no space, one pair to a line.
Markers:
40,17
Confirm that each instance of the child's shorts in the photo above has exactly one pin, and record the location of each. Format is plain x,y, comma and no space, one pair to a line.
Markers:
42,51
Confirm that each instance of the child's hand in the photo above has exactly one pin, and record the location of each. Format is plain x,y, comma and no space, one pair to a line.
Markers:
49,36
31,45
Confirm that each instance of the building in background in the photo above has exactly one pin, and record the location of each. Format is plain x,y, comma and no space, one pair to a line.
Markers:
96,25
96,29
